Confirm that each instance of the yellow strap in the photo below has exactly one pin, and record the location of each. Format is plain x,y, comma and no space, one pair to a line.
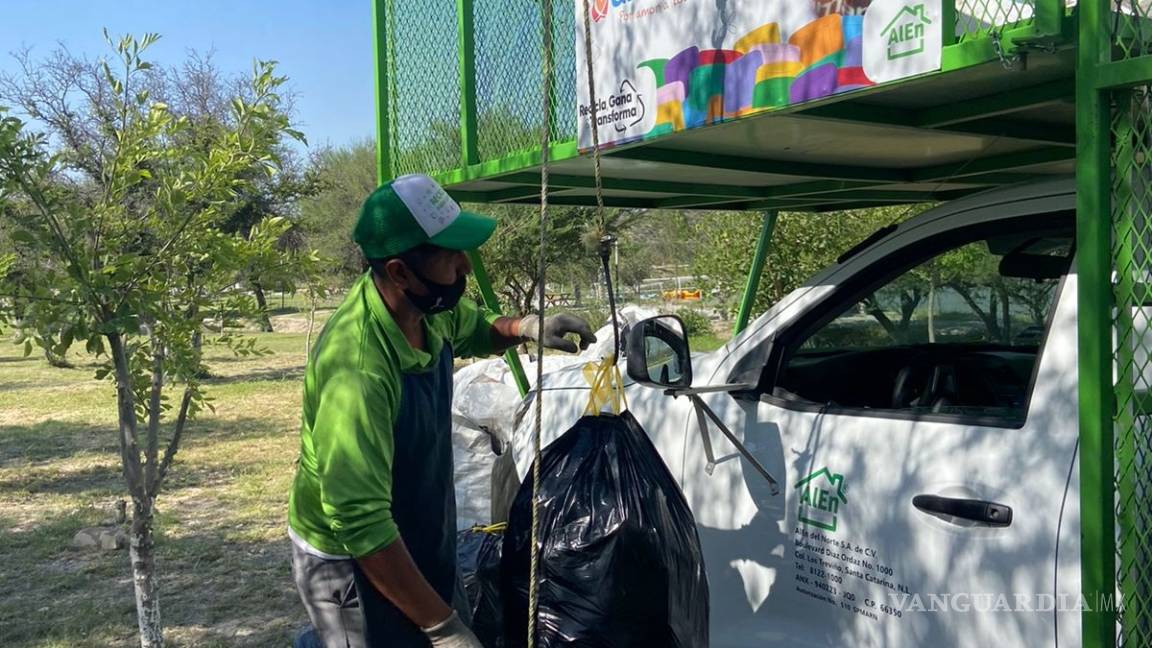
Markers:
607,387
499,527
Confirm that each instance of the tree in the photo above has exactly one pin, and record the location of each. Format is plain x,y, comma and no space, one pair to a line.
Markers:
512,256
124,241
196,91
344,178
801,246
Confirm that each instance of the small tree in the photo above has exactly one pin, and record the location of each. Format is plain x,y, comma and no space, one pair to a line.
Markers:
802,245
132,256
344,177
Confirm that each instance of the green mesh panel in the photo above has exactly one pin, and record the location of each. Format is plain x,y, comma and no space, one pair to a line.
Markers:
424,91
509,75
1131,36
424,80
1131,28
1132,248
425,102
981,16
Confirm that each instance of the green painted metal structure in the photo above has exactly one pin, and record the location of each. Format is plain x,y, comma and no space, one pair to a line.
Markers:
1027,91
744,313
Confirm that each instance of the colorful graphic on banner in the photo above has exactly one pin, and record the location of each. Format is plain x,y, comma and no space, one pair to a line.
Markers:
667,65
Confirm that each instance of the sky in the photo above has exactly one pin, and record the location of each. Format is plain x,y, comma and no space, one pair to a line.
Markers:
323,46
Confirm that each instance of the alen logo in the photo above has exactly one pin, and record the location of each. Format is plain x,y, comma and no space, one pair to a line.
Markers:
821,495
600,8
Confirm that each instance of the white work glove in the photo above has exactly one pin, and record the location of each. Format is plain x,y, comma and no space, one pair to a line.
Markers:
452,633
556,327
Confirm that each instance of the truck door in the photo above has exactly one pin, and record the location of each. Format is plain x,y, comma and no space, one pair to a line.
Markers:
922,423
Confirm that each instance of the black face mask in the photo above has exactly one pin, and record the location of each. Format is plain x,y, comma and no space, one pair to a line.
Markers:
440,297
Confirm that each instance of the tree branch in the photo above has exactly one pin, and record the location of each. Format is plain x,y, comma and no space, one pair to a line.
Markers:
878,314
41,203
966,295
126,409
174,442
154,408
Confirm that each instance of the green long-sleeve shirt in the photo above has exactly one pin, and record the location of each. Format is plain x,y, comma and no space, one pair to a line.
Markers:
341,498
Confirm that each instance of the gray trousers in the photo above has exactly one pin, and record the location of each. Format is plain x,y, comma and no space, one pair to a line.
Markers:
328,590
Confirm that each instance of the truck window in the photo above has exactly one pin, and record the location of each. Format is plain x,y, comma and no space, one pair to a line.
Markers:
957,335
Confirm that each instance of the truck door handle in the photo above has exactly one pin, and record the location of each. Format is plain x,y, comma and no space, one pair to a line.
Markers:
984,512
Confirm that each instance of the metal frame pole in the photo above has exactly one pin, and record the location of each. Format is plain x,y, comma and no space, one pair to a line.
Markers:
466,43
1094,315
380,34
754,272
493,304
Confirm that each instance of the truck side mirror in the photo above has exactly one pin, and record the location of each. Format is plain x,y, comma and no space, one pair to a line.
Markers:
658,353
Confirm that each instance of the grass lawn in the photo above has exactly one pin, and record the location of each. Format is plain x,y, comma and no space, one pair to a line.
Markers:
223,556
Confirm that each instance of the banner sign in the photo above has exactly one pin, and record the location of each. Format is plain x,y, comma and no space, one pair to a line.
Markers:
662,66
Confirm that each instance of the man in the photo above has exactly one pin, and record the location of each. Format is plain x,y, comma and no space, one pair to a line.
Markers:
372,514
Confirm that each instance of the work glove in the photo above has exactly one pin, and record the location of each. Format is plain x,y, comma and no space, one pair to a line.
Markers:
556,327
452,633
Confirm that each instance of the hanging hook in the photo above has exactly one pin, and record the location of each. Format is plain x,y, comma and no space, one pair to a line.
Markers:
606,243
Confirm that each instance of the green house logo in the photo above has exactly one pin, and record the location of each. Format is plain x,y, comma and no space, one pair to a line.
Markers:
821,496
905,32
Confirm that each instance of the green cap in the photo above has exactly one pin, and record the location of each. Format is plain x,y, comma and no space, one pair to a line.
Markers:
413,210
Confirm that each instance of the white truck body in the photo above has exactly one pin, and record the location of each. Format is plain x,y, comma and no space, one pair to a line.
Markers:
841,556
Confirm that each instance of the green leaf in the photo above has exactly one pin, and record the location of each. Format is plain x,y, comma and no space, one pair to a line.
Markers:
23,236
27,348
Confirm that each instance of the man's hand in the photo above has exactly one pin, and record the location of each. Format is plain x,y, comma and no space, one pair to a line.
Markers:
556,327
452,633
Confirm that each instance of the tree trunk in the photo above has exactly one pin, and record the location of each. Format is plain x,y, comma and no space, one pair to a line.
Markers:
144,575
576,294
311,324
140,542
908,303
877,313
57,361
932,312
262,302
530,297
1006,310
988,317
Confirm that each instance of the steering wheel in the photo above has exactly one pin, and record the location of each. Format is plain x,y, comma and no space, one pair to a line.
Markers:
923,383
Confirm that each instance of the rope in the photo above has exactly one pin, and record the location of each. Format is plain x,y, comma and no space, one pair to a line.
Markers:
606,387
596,174
546,132
545,136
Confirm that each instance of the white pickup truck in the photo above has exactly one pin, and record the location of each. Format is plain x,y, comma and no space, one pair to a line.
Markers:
901,470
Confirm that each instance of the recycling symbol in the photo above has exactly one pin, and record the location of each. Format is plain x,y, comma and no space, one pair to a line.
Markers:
627,88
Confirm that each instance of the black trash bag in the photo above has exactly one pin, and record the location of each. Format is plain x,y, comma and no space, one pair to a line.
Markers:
478,553
620,560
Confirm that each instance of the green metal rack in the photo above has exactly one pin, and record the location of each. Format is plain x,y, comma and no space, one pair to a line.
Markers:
1047,88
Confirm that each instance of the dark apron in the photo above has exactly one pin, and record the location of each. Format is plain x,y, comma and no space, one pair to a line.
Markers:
423,501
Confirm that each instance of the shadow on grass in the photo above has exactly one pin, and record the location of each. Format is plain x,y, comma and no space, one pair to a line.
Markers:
213,590
262,375
53,440
222,558
5,359
92,482
50,441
